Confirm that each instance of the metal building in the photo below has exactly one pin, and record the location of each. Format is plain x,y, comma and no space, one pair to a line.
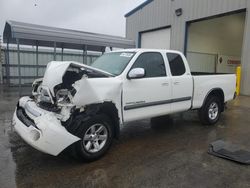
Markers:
24,65
213,34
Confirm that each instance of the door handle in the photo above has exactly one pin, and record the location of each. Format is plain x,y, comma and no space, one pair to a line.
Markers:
176,83
165,84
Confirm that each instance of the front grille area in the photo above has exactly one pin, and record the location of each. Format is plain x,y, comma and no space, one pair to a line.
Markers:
48,106
23,117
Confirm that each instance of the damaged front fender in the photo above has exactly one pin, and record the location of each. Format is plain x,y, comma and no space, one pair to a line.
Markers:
97,91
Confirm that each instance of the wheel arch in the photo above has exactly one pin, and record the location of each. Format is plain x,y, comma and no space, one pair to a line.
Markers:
216,92
107,108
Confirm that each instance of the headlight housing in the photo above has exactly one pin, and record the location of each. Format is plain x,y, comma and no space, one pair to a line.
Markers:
35,85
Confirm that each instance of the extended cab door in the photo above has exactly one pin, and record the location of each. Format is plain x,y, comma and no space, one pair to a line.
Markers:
181,82
148,96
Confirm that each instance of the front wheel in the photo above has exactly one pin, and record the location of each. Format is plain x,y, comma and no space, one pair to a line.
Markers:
96,137
210,112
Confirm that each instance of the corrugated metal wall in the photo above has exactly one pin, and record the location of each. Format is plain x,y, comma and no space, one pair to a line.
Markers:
246,55
160,13
29,69
1,62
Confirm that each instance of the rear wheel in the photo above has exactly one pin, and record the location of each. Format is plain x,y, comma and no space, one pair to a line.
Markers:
96,137
210,112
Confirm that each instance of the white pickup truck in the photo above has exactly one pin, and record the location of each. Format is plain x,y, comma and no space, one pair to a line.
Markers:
85,107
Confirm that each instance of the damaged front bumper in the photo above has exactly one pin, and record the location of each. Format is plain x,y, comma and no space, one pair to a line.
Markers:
40,128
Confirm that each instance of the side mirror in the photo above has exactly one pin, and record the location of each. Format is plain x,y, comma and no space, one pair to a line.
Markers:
136,73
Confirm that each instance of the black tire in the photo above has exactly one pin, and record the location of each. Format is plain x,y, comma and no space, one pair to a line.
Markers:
203,112
80,150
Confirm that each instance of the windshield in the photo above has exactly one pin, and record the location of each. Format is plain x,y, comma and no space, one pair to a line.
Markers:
114,62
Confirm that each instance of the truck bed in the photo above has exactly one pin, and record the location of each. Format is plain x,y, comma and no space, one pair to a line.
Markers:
205,82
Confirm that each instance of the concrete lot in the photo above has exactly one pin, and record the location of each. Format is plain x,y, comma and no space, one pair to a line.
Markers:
173,154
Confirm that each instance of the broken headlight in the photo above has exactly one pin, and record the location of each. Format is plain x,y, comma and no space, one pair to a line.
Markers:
63,96
44,95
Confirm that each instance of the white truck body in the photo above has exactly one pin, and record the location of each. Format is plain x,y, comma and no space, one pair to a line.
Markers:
133,99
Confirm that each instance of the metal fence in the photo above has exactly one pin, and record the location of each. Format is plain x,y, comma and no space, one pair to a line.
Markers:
32,64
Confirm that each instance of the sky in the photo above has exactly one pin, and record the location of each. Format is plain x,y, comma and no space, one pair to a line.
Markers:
98,16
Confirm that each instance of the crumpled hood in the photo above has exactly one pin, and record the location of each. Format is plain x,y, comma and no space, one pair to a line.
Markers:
55,71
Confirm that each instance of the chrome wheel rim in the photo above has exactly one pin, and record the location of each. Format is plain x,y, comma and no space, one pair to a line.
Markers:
213,111
95,138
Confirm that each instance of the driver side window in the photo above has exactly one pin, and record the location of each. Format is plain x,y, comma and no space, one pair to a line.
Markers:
153,64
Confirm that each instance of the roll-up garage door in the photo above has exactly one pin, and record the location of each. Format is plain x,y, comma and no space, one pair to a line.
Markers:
157,39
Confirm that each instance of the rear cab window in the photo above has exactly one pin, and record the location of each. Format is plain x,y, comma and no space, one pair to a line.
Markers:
176,64
153,64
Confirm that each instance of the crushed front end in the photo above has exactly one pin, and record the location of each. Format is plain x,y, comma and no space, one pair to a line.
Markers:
41,119
41,128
